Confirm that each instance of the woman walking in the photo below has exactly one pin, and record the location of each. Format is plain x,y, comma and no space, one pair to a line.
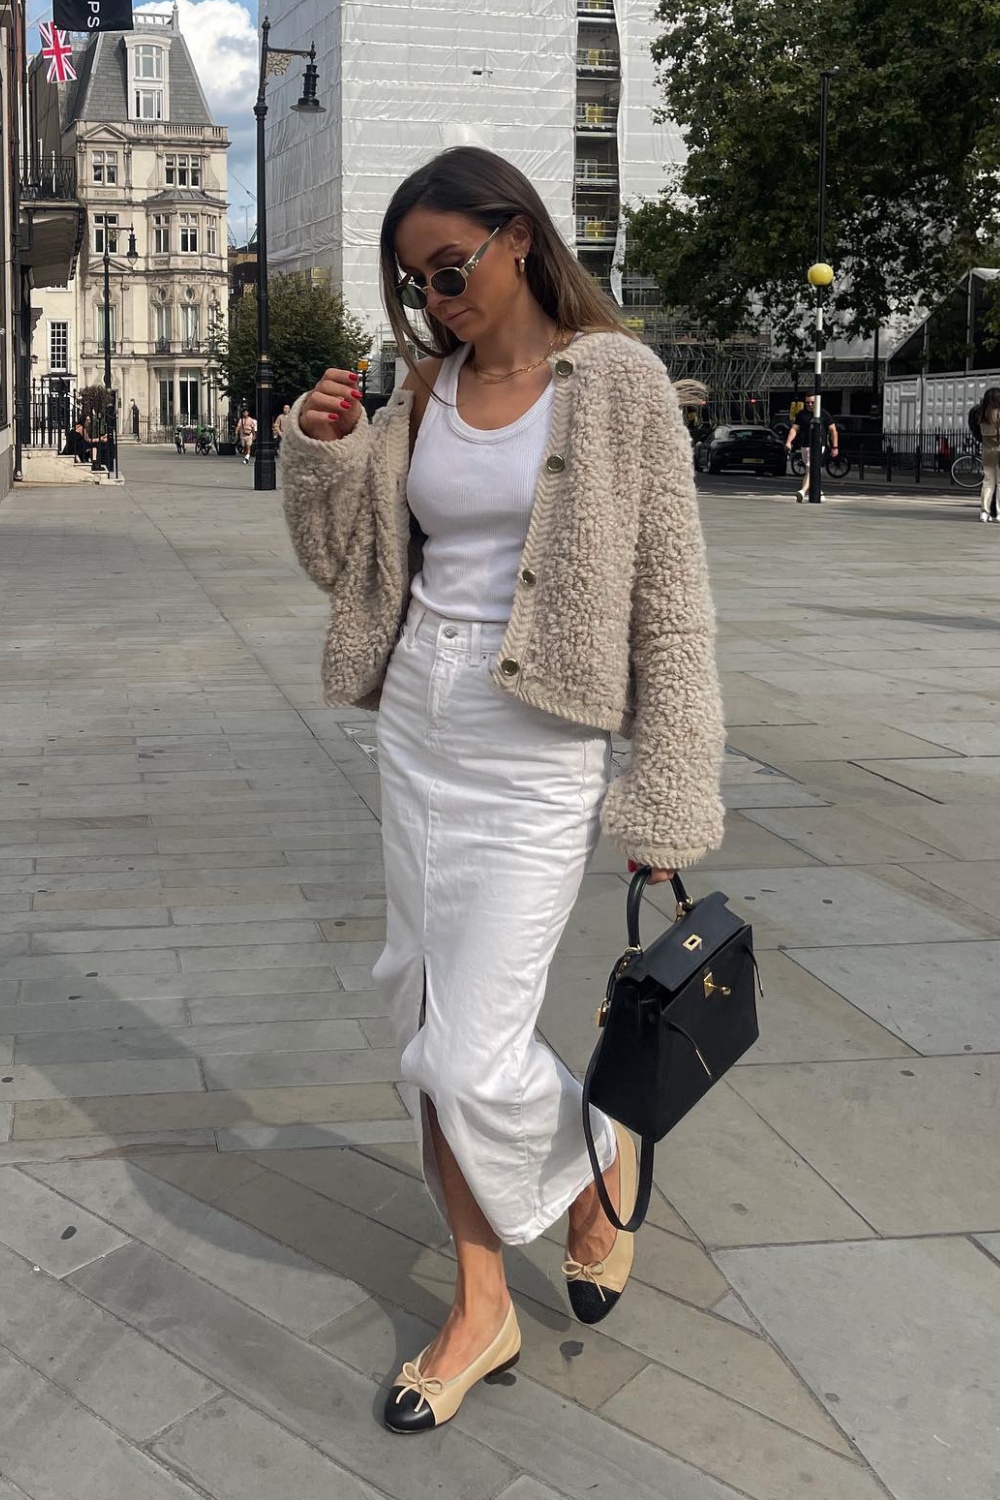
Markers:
988,413
516,571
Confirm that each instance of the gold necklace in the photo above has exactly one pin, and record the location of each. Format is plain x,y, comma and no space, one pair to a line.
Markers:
490,377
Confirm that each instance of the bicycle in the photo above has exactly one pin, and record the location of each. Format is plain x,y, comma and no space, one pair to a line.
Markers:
836,466
205,441
967,471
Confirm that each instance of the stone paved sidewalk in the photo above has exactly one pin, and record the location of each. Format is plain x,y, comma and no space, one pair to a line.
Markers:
214,1246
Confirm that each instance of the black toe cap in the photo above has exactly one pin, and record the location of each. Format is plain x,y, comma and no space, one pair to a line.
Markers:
402,1413
587,1302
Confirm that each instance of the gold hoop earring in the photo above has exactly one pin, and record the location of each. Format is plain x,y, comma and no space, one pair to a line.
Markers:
521,266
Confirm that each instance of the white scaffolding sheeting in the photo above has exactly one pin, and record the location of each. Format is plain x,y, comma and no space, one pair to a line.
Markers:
646,148
400,82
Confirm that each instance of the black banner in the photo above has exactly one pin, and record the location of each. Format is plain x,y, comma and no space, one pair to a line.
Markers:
93,15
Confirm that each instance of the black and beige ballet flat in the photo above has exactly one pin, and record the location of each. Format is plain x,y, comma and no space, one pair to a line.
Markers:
418,1403
594,1289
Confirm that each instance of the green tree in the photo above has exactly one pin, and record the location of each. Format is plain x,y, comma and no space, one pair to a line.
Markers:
913,180
311,331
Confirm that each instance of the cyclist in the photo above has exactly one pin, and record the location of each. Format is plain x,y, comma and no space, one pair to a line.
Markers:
798,436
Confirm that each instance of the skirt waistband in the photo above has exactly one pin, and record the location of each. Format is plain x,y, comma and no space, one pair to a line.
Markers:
476,639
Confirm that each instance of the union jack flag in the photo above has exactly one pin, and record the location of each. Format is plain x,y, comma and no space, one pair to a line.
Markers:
56,46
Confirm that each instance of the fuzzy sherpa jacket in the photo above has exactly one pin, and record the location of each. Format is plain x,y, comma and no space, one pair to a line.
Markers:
612,624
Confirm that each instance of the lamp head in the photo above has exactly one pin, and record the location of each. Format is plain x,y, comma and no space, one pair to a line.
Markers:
309,104
820,274
131,254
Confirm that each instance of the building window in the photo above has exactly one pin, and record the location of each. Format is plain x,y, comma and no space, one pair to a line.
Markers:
161,324
183,171
161,234
189,234
211,237
58,346
106,168
166,383
148,62
149,104
99,325
190,324
106,233
190,385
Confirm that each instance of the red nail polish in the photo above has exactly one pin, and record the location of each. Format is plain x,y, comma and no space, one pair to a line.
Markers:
353,379
356,395
346,405
331,416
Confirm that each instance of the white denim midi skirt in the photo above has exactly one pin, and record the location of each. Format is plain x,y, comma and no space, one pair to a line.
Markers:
490,813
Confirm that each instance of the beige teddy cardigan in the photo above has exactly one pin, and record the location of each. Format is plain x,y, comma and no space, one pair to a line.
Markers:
612,624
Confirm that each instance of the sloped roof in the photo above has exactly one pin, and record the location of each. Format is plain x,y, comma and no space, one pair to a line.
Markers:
185,195
100,94
924,315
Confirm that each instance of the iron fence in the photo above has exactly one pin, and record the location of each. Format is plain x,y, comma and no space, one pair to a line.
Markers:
49,179
917,455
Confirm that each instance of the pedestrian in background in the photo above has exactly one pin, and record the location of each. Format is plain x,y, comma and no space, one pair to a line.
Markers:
278,427
246,433
559,595
988,422
800,436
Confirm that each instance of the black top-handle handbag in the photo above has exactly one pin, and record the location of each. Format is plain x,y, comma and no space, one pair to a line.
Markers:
676,1017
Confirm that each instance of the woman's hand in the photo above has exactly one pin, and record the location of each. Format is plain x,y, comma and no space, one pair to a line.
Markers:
333,407
657,877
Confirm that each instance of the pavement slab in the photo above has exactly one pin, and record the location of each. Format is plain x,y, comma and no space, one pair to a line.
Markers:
197,1076
50,1445
293,1382
267,1276
899,1340
909,1144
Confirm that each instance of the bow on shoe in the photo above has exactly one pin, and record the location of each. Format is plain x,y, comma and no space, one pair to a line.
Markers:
574,1271
421,1385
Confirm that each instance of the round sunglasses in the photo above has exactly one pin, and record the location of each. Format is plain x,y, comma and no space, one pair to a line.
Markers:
450,281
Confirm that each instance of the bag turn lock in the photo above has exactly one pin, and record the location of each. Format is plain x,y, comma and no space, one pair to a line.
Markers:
711,988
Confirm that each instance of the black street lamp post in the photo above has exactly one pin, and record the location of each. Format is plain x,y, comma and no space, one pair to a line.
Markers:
110,411
272,60
820,277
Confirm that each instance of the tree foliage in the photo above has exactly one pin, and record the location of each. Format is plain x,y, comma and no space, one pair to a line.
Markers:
913,179
311,330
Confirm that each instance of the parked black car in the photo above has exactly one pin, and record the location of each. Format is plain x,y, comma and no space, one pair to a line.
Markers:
741,447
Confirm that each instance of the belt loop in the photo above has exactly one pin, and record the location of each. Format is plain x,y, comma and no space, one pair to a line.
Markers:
475,642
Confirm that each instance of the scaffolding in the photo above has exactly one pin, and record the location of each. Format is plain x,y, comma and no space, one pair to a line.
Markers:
737,370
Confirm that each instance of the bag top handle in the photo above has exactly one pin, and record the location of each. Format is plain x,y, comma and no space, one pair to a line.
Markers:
635,893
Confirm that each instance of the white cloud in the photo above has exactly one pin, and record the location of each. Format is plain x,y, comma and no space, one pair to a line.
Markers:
222,38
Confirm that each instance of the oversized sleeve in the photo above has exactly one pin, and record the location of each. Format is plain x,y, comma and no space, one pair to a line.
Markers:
666,809
330,491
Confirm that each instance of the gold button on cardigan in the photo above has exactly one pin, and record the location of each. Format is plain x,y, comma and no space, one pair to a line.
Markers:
618,631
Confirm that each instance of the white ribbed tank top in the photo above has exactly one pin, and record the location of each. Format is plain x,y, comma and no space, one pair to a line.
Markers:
472,492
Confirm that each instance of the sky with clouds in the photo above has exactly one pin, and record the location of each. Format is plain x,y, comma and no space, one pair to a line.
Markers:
222,38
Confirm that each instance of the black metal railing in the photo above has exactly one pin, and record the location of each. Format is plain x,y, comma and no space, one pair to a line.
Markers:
909,457
49,179
51,411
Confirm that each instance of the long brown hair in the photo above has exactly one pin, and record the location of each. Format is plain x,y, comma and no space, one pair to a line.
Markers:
989,407
484,187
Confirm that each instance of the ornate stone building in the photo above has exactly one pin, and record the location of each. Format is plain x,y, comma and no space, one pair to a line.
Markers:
149,163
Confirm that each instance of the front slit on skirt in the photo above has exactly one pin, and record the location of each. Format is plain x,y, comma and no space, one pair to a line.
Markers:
490,813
